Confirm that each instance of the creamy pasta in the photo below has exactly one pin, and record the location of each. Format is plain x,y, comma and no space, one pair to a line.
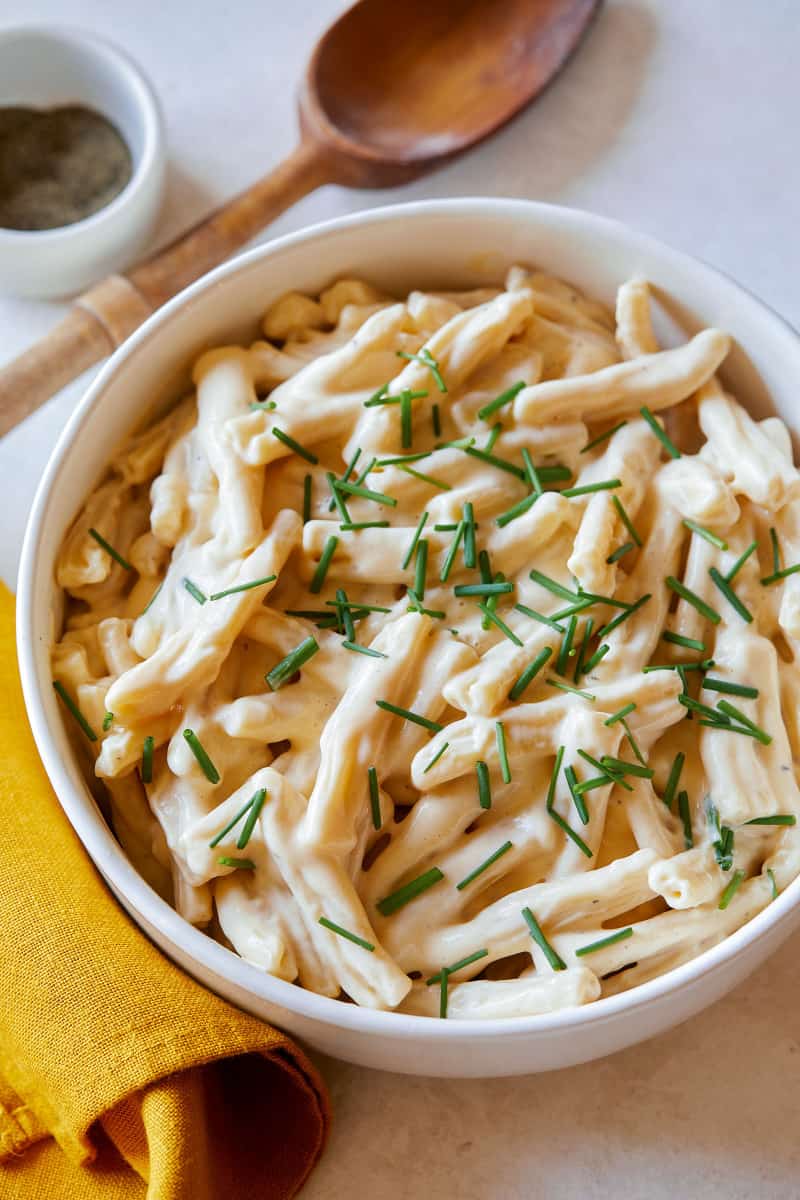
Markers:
441,654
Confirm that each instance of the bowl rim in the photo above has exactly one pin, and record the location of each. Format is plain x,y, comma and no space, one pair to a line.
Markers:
147,104
189,943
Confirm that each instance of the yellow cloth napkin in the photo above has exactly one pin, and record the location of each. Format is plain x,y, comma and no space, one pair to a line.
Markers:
121,1078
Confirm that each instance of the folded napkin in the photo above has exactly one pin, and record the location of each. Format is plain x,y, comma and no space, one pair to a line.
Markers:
120,1077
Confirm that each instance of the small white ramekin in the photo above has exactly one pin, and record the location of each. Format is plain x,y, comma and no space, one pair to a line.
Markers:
444,244
46,66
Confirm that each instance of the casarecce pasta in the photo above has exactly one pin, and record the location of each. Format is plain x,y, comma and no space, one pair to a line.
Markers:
424,669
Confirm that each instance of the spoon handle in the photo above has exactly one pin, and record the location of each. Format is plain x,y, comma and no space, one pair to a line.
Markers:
103,317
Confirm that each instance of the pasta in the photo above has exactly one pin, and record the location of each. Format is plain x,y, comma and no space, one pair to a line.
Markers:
425,670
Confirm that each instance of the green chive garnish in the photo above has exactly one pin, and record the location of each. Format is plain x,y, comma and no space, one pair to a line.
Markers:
494,434
409,553
492,459
152,599
784,574
194,591
348,472
427,360
570,833
231,824
626,521
444,980
731,889
731,689
555,961
436,758
101,541
147,759
409,891
293,445
243,587
731,711
337,502
776,550
674,776
359,649
500,401
599,654
107,721
537,616
565,649
620,552
773,883
623,616
577,797
777,819
516,510
620,936
677,639
501,625
283,671
620,714
741,560
686,819
551,789
262,405
484,784
322,566
239,864
420,569
405,420
450,557
482,589
534,479
307,499
437,421
730,595
603,485
355,489
74,710
407,715
256,805
468,879
437,483
530,673
602,437
353,526
690,597
376,397
710,537
206,765
552,585
670,447
565,687
345,933
470,552
612,774
502,750
625,767
462,962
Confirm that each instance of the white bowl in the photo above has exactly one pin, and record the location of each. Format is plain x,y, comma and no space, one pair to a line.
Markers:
451,243
46,66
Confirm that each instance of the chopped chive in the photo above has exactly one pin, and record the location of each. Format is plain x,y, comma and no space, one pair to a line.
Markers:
551,788
741,560
348,472
436,758
673,778
427,360
347,644
502,750
530,672
444,980
776,550
206,765
590,785
343,609
585,489
611,773
494,434
262,405
147,759
328,552
243,587
450,557
482,589
484,784
420,569
437,483
565,649
354,526
581,656
354,605
632,741
731,889
450,527
374,797
152,599
256,804
194,591
620,552
692,598
401,459
500,401
409,891
555,961
366,471
553,586
462,962
534,479
625,767
686,819
710,537
666,441
434,613
677,639
567,829
355,489
777,819
458,444
517,510
376,396
470,552
730,595
239,864
730,711
784,574
599,654
557,473
732,689
109,549
709,713
773,883
577,797
293,445
414,540
537,616
231,824
283,671
406,437
620,714
345,933
436,419
407,715
483,867
74,710
594,598
107,721
565,687
601,437
623,616
492,459
501,625
620,936
337,502
626,521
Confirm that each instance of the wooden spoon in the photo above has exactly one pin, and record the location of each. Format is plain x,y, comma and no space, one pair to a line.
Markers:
392,89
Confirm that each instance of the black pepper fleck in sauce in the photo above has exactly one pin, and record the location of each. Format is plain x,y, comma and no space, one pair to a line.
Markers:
58,166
